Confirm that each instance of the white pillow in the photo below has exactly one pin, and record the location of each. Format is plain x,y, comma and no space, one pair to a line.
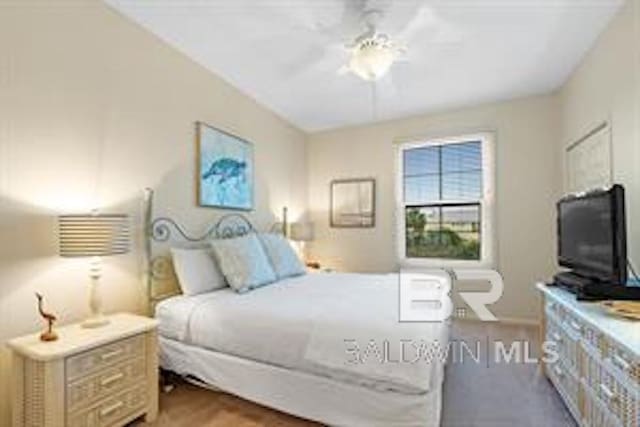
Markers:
196,270
243,262
283,258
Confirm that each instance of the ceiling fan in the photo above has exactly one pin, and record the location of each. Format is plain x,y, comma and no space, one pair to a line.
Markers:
372,53
365,38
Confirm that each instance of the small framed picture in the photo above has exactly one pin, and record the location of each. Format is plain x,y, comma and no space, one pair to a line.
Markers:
225,169
353,203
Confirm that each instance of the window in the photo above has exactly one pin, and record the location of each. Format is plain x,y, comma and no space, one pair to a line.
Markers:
445,190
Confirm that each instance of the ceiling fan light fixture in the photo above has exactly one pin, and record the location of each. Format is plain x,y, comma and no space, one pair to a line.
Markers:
371,61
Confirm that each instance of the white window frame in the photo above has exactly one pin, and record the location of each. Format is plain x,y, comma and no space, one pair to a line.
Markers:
487,203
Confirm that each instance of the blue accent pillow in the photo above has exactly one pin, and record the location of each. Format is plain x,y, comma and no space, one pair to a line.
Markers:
243,262
284,260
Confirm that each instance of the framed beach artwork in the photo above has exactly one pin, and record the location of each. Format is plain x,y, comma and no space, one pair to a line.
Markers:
353,203
225,169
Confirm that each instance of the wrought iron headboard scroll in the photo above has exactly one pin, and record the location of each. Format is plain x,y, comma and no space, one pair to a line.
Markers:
159,268
230,225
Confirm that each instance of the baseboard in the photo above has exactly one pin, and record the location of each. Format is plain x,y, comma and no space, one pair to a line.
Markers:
523,321
515,321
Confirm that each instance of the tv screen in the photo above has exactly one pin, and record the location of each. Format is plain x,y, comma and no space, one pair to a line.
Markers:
591,235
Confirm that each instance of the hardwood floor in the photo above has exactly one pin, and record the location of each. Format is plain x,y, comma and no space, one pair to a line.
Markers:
484,394
191,406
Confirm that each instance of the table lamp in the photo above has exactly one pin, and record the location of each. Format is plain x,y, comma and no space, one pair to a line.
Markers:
303,232
93,235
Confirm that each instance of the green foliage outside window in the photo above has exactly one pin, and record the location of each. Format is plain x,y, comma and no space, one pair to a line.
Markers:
459,240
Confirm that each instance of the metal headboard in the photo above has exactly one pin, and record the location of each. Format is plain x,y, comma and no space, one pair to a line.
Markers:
159,272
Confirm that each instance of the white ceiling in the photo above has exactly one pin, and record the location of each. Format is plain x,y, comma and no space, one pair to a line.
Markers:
285,53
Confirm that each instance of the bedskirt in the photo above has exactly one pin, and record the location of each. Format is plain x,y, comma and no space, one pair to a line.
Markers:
306,395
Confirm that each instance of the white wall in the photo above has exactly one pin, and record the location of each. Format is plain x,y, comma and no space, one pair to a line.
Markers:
606,86
75,76
527,180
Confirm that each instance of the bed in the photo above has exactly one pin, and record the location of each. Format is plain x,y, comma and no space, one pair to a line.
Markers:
310,345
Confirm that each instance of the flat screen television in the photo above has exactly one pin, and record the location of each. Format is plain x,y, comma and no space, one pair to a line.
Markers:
592,235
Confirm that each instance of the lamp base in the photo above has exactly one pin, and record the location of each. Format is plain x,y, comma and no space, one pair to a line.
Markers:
95,322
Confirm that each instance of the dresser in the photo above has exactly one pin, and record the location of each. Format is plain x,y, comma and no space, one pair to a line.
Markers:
597,372
97,377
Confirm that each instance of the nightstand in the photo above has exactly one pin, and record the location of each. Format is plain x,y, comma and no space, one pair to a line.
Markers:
99,377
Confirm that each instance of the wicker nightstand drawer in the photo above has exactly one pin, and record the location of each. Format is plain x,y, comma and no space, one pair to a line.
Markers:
109,411
85,391
105,376
94,360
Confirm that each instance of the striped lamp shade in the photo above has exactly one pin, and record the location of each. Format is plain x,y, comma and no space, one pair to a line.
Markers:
93,235
302,231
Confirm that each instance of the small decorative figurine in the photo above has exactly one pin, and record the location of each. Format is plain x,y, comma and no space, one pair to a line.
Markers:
49,334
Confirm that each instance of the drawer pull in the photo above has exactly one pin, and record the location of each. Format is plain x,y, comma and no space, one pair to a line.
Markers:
575,325
111,379
559,372
111,409
111,354
620,362
607,392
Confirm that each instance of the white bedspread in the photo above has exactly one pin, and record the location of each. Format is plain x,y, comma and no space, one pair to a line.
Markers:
309,323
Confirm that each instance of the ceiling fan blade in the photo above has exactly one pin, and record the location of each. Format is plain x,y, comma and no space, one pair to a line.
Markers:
433,28
351,20
311,16
424,18
331,20
318,58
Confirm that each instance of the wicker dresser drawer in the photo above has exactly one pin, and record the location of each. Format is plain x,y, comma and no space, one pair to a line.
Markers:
109,411
595,412
95,360
594,338
567,384
610,388
102,384
624,361
566,342
573,324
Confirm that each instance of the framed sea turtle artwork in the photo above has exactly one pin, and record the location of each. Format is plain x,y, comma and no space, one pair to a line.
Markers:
225,169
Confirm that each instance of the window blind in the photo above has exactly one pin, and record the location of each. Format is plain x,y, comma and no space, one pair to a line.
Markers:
443,191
